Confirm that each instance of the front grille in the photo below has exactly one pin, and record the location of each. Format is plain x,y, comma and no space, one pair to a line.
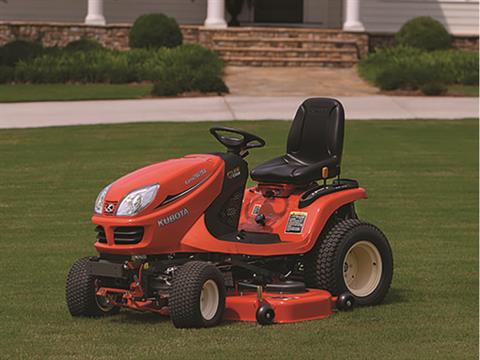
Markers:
101,238
126,235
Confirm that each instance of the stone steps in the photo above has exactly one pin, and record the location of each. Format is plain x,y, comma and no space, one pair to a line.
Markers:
272,46
287,61
283,42
288,53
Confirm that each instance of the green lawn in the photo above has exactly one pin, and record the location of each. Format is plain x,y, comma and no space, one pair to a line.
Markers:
463,90
422,178
63,92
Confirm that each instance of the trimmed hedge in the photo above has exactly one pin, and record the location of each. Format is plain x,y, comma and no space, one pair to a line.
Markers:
411,69
18,50
84,45
191,68
424,33
184,68
7,74
153,31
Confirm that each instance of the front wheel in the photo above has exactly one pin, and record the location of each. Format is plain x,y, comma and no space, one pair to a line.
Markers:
197,298
353,257
81,296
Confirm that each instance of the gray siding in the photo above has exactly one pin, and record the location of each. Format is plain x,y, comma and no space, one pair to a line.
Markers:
43,10
115,11
185,11
460,17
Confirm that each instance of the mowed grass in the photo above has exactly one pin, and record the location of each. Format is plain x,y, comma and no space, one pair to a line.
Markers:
66,92
463,90
422,178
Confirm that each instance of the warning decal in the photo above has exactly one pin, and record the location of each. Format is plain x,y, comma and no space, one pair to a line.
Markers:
256,209
296,222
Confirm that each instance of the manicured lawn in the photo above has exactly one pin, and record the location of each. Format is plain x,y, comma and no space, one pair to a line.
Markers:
422,178
463,90
59,92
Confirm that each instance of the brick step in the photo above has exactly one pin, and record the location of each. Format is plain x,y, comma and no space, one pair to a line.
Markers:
310,33
284,43
296,53
287,61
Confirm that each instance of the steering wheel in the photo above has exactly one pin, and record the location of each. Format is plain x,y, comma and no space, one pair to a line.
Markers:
236,140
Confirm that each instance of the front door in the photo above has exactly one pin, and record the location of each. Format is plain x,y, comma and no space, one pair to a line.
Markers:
278,11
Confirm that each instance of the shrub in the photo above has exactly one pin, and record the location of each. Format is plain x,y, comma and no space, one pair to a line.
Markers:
190,68
434,88
425,33
17,50
83,45
185,68
155,31
410,68
6,74
96,66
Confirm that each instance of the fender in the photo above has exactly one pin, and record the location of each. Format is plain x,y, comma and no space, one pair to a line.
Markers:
328,205
316,216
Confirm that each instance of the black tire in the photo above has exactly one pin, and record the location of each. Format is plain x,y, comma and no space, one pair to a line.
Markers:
324,265
184,302
81,293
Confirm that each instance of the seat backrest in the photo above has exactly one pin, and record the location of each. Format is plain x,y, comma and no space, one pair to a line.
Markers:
317,131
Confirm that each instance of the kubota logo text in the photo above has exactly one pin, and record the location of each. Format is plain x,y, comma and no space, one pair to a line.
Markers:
173,217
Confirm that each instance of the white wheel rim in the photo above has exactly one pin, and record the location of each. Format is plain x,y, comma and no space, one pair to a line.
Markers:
209,299
362,268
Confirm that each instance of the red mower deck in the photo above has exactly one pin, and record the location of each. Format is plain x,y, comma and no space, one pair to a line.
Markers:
313,304
288,308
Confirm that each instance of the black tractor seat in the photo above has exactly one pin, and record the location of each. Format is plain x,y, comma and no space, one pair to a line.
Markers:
314,146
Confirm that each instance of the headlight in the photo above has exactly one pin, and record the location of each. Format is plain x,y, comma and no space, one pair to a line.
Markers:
137,200
100,199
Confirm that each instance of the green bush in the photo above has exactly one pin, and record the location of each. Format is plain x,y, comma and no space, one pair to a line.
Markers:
434,88
96,66
190,68
155,31
411,68
177,70
18,50
83,45
424,33
6,74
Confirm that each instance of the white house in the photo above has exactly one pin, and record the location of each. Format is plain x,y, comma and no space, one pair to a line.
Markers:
372,16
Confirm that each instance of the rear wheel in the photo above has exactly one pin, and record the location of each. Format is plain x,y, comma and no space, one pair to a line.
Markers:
197,298
81,291
353,257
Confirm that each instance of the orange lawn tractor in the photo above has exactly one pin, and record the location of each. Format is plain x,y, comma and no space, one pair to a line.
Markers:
185,238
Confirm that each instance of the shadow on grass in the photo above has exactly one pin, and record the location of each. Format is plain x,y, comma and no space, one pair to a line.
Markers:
396,296
135,317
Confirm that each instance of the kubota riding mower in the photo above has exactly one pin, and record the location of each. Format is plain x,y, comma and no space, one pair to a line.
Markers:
184,238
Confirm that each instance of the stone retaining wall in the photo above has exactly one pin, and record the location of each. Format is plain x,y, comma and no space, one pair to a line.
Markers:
116,35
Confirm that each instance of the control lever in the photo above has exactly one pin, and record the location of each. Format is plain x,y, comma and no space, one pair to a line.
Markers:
260,219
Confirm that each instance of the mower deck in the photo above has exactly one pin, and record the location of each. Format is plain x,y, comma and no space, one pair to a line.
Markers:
243,306
288,308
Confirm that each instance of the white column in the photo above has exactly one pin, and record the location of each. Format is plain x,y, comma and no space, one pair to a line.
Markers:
352,16
215,14
95,13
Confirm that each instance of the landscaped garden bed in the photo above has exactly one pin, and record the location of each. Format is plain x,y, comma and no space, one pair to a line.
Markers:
422,62
157,57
